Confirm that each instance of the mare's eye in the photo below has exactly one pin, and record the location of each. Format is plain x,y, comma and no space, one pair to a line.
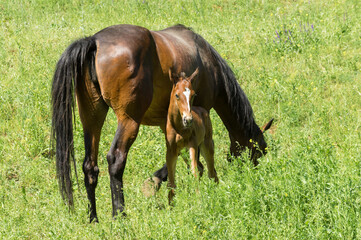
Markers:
177,96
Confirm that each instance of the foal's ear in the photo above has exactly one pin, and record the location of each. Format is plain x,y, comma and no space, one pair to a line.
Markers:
193,75
172,76
267,125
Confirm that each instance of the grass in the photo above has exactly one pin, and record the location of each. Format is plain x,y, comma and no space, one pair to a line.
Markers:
307,187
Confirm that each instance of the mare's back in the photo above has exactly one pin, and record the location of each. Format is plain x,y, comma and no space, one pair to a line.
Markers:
183,50
177,48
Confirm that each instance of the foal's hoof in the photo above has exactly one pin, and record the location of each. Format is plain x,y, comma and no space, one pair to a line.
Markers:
151,186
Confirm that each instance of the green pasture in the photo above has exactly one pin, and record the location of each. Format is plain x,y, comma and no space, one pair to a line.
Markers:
298,62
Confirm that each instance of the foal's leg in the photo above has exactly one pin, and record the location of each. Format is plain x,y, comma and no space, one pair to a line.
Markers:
194,155
200,166
172,155
92,112
151,185
207,151
117,157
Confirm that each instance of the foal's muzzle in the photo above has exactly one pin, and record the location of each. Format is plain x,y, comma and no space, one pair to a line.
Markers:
187,121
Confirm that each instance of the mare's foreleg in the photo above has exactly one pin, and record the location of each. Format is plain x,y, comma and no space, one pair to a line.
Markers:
151,185
235,149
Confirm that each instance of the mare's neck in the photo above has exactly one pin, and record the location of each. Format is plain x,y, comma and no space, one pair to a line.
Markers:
241,130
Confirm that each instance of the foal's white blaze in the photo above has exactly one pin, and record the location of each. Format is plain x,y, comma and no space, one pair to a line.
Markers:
187,93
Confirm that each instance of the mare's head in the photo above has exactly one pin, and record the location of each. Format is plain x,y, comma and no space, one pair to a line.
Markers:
257,144
254,141
182,96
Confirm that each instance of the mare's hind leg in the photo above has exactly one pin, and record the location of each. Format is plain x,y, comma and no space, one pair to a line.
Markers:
117,157
92,111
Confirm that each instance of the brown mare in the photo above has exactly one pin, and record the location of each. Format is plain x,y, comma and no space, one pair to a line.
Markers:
126,67
189,127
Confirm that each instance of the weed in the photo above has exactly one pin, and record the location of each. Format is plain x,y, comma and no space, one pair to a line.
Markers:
297,61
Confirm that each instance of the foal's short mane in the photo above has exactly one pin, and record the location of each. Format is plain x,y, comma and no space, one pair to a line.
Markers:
236,98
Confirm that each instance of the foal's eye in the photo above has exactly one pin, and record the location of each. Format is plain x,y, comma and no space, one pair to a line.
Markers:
177,96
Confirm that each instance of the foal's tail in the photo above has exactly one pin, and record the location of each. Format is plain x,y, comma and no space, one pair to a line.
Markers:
70,69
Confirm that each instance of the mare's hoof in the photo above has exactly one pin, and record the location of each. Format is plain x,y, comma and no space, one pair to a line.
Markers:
120,215
94,220
151,186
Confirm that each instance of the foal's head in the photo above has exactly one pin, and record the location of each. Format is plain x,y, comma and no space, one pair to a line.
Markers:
182,96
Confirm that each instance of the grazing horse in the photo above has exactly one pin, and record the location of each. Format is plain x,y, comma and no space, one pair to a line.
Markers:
189,127
125,67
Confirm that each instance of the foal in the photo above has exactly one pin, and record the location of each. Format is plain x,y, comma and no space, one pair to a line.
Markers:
187,126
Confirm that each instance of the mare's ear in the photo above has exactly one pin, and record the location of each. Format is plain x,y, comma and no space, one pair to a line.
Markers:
193,75
267,125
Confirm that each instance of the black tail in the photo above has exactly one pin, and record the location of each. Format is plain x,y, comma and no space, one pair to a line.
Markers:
80,55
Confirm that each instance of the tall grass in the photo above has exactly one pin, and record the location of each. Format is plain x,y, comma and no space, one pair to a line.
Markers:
298,61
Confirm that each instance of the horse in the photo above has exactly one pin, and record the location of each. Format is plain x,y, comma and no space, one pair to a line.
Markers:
125,67
187,127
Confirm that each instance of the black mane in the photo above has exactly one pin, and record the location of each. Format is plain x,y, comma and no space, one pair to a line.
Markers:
236,98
